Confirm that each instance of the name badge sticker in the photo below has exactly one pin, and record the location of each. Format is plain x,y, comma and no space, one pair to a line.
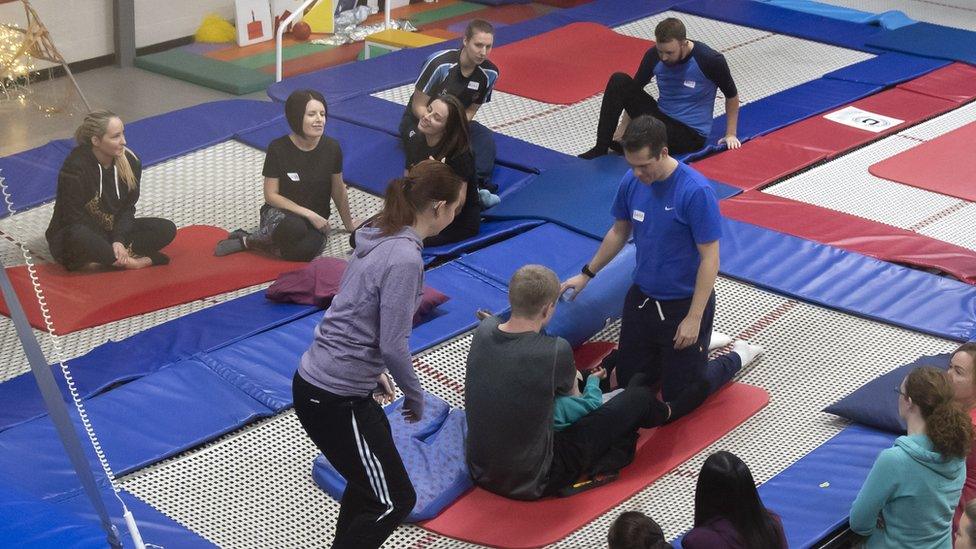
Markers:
690,84
473,85
293,176
638,216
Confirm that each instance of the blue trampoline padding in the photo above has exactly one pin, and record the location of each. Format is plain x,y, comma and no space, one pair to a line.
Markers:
781,20
529,157
490,231
562,250
929,40
117,362
603,299
138,424
875,404
613,13
28,522
891,19
848,282
792,105
887,69
813,496
32,176
433,455
501,2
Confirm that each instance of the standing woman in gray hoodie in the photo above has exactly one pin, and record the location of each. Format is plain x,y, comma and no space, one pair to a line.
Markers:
362,338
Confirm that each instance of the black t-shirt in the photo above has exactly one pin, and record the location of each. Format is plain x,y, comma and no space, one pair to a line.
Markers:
304,177
468,220
442,75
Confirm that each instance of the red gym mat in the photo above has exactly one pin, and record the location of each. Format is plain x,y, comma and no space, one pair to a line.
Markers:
568,64
757,163
956,82
485,518
945,165
851,233
82,300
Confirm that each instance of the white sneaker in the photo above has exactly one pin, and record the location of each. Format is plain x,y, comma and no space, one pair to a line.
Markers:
747,351
719,340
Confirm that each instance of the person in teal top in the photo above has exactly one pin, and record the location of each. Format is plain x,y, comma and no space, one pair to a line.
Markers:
571,407
914,487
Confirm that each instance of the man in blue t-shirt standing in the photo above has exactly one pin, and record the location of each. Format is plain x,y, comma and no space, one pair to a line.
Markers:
673,215
688,75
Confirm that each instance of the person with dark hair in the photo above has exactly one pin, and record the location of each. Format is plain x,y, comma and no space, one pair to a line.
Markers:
913,488
672,213
468,75
442,134
688,75
962,376
635,530
302,175
728,511
966,533
360,341
94,223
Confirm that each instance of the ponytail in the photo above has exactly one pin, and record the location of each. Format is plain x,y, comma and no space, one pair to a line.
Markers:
95,124
947,426
427,182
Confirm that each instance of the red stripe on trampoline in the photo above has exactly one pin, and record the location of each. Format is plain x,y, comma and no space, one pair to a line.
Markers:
767,320
438,376
940,215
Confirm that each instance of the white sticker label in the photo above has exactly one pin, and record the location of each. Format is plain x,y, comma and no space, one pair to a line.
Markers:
690,83
638,215
861,119
293,176
473,85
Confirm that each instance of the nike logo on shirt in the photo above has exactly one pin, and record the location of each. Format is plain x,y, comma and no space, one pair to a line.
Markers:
668,209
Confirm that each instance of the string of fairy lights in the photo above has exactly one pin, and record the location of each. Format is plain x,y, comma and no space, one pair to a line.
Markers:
16,64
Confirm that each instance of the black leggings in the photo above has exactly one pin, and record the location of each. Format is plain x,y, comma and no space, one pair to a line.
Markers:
623,94
296,239
354,435
76,246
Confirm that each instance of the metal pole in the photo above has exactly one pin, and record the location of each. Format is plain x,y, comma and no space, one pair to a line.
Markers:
124,20
282,25
56,408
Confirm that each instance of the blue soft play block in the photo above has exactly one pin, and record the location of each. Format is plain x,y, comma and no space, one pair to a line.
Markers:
875,403
490,232
887,69
432,451
562,250
929,40
813,496
849,282
138,424
116,362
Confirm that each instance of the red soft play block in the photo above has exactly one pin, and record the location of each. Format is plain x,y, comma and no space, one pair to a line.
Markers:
568,64
820,134
851,233
488,519
757,163
82,300
945,165
956,83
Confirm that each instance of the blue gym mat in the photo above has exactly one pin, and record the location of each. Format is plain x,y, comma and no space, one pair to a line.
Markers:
116,362
614,13
892,19
929,40
490,232
887,69
32,176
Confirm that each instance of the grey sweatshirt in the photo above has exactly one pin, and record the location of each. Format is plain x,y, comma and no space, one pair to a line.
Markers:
366,328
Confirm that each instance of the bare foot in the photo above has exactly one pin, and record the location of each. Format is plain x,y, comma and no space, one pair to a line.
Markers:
132,263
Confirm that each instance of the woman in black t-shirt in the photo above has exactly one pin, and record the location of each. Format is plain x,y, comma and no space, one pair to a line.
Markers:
442,134
302,174
94,223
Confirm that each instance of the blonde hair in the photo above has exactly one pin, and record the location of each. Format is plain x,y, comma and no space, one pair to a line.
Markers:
532,289
95,124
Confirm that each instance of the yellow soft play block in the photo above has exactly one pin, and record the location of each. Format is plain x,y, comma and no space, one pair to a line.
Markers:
319,17
397,38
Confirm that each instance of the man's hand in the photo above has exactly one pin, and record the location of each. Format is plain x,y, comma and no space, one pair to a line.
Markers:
730,141
577,283
385,384
687,333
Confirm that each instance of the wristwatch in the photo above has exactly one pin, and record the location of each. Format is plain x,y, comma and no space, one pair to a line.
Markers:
586,270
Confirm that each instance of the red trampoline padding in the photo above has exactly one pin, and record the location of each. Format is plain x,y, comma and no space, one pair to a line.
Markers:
956,82
757,163
820,134
851,233
945,165
82,300
482,517
568,64
590,354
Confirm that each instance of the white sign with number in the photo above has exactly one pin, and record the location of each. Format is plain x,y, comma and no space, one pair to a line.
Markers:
864,120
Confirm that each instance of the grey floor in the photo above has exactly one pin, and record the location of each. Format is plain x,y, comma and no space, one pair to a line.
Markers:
130,92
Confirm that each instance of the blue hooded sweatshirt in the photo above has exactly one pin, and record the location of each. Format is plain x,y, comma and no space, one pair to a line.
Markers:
915,490
365,330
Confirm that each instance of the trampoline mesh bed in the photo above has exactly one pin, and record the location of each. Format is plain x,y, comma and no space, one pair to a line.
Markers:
845,184
761,62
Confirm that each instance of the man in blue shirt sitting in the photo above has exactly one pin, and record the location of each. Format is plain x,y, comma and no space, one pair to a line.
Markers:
688,75
673,215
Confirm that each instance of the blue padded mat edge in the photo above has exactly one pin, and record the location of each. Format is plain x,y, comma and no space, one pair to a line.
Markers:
929,40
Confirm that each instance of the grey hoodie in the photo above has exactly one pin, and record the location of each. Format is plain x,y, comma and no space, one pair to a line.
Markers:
366,329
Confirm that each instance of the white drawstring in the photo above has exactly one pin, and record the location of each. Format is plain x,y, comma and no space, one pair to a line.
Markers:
115,173
641,306
659,311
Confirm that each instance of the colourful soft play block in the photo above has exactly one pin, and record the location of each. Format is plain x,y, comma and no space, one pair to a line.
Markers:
402,39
